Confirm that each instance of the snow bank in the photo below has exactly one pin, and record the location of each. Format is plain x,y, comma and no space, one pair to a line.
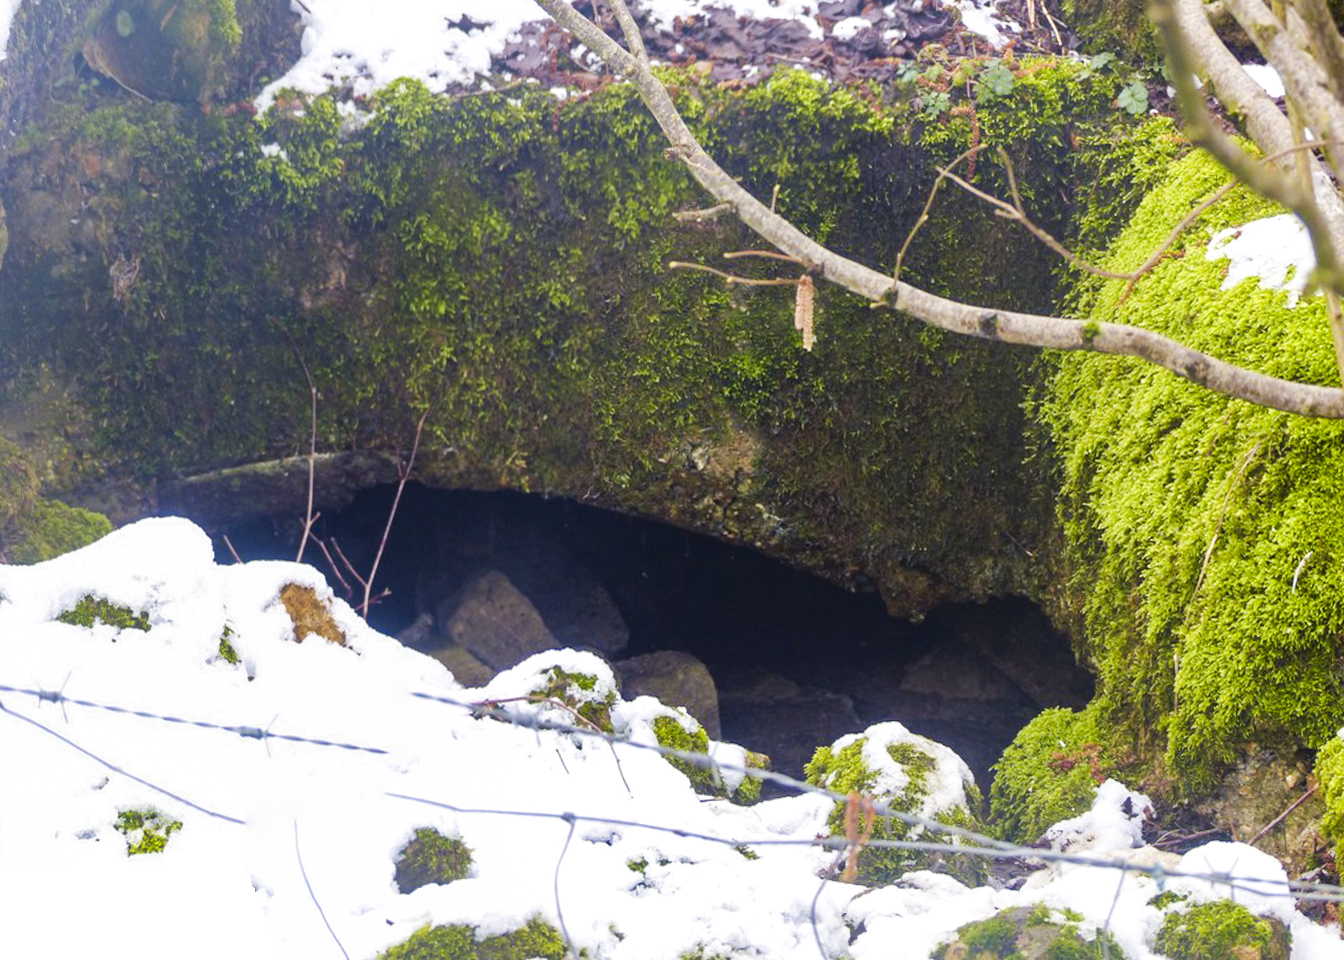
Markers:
269,813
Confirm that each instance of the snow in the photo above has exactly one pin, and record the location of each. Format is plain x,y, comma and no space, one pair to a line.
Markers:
367,45
7,10
266,819
1267,77
1276,250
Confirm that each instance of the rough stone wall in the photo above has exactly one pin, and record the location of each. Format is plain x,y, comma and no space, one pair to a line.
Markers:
502,261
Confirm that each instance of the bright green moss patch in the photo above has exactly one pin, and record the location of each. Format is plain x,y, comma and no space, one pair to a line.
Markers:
1222,930
52,528
1330,773
146,830
90,610
1203,532
431,857
706,778
536,939
1047,774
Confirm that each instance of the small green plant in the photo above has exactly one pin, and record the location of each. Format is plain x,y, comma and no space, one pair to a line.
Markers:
1133,99
90,610
146,830
430,857
996,80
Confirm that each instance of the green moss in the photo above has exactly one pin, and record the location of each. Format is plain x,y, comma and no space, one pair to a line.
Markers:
502,259
431,857
90,610
1221,930
536,939
50,529
846,771
146,830
706,779
1021,932
227,652
577,691
1202,531
1046,774
1330,773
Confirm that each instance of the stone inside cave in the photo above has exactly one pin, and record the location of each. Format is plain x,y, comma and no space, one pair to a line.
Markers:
796,661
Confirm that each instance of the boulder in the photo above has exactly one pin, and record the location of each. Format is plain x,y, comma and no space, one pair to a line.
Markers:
496,623
781,719
678,680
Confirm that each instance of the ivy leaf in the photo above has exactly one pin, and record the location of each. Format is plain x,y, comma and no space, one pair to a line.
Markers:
997,81
1100,62
1134,99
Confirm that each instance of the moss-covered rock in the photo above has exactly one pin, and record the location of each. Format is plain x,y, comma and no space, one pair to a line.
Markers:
1028,933
1202,531
909,774
50,529
1048,773
430,857
535,939
582,694
1222,930
501,260
678,731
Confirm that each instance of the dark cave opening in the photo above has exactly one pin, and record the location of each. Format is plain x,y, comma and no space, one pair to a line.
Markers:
796,660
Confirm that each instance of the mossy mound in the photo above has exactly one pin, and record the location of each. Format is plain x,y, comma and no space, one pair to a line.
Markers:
1048,773
909,774
586,700
1203,532
1027,933
536,940
431,857
1330,773
50,529
1222,930
502,261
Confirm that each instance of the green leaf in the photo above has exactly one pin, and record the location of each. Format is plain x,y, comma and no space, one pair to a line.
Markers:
997,81
1133,99
1100,61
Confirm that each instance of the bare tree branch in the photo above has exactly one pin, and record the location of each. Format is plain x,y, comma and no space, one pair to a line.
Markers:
984,322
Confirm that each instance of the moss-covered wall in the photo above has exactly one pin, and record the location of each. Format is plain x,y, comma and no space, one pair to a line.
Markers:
1205,532
501,260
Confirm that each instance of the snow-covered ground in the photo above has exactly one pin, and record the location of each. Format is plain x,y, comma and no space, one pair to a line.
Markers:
288,845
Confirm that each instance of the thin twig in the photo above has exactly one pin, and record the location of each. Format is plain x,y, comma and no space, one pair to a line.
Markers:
923,217
700,216
1283,816
309,518
345,584
769,254
228,543
538,698
403,474
728,277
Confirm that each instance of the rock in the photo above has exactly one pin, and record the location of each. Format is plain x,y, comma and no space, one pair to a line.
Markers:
465,667
678,680
496,623
781,719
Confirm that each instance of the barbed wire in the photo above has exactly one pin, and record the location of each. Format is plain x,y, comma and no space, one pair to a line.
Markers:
961,841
